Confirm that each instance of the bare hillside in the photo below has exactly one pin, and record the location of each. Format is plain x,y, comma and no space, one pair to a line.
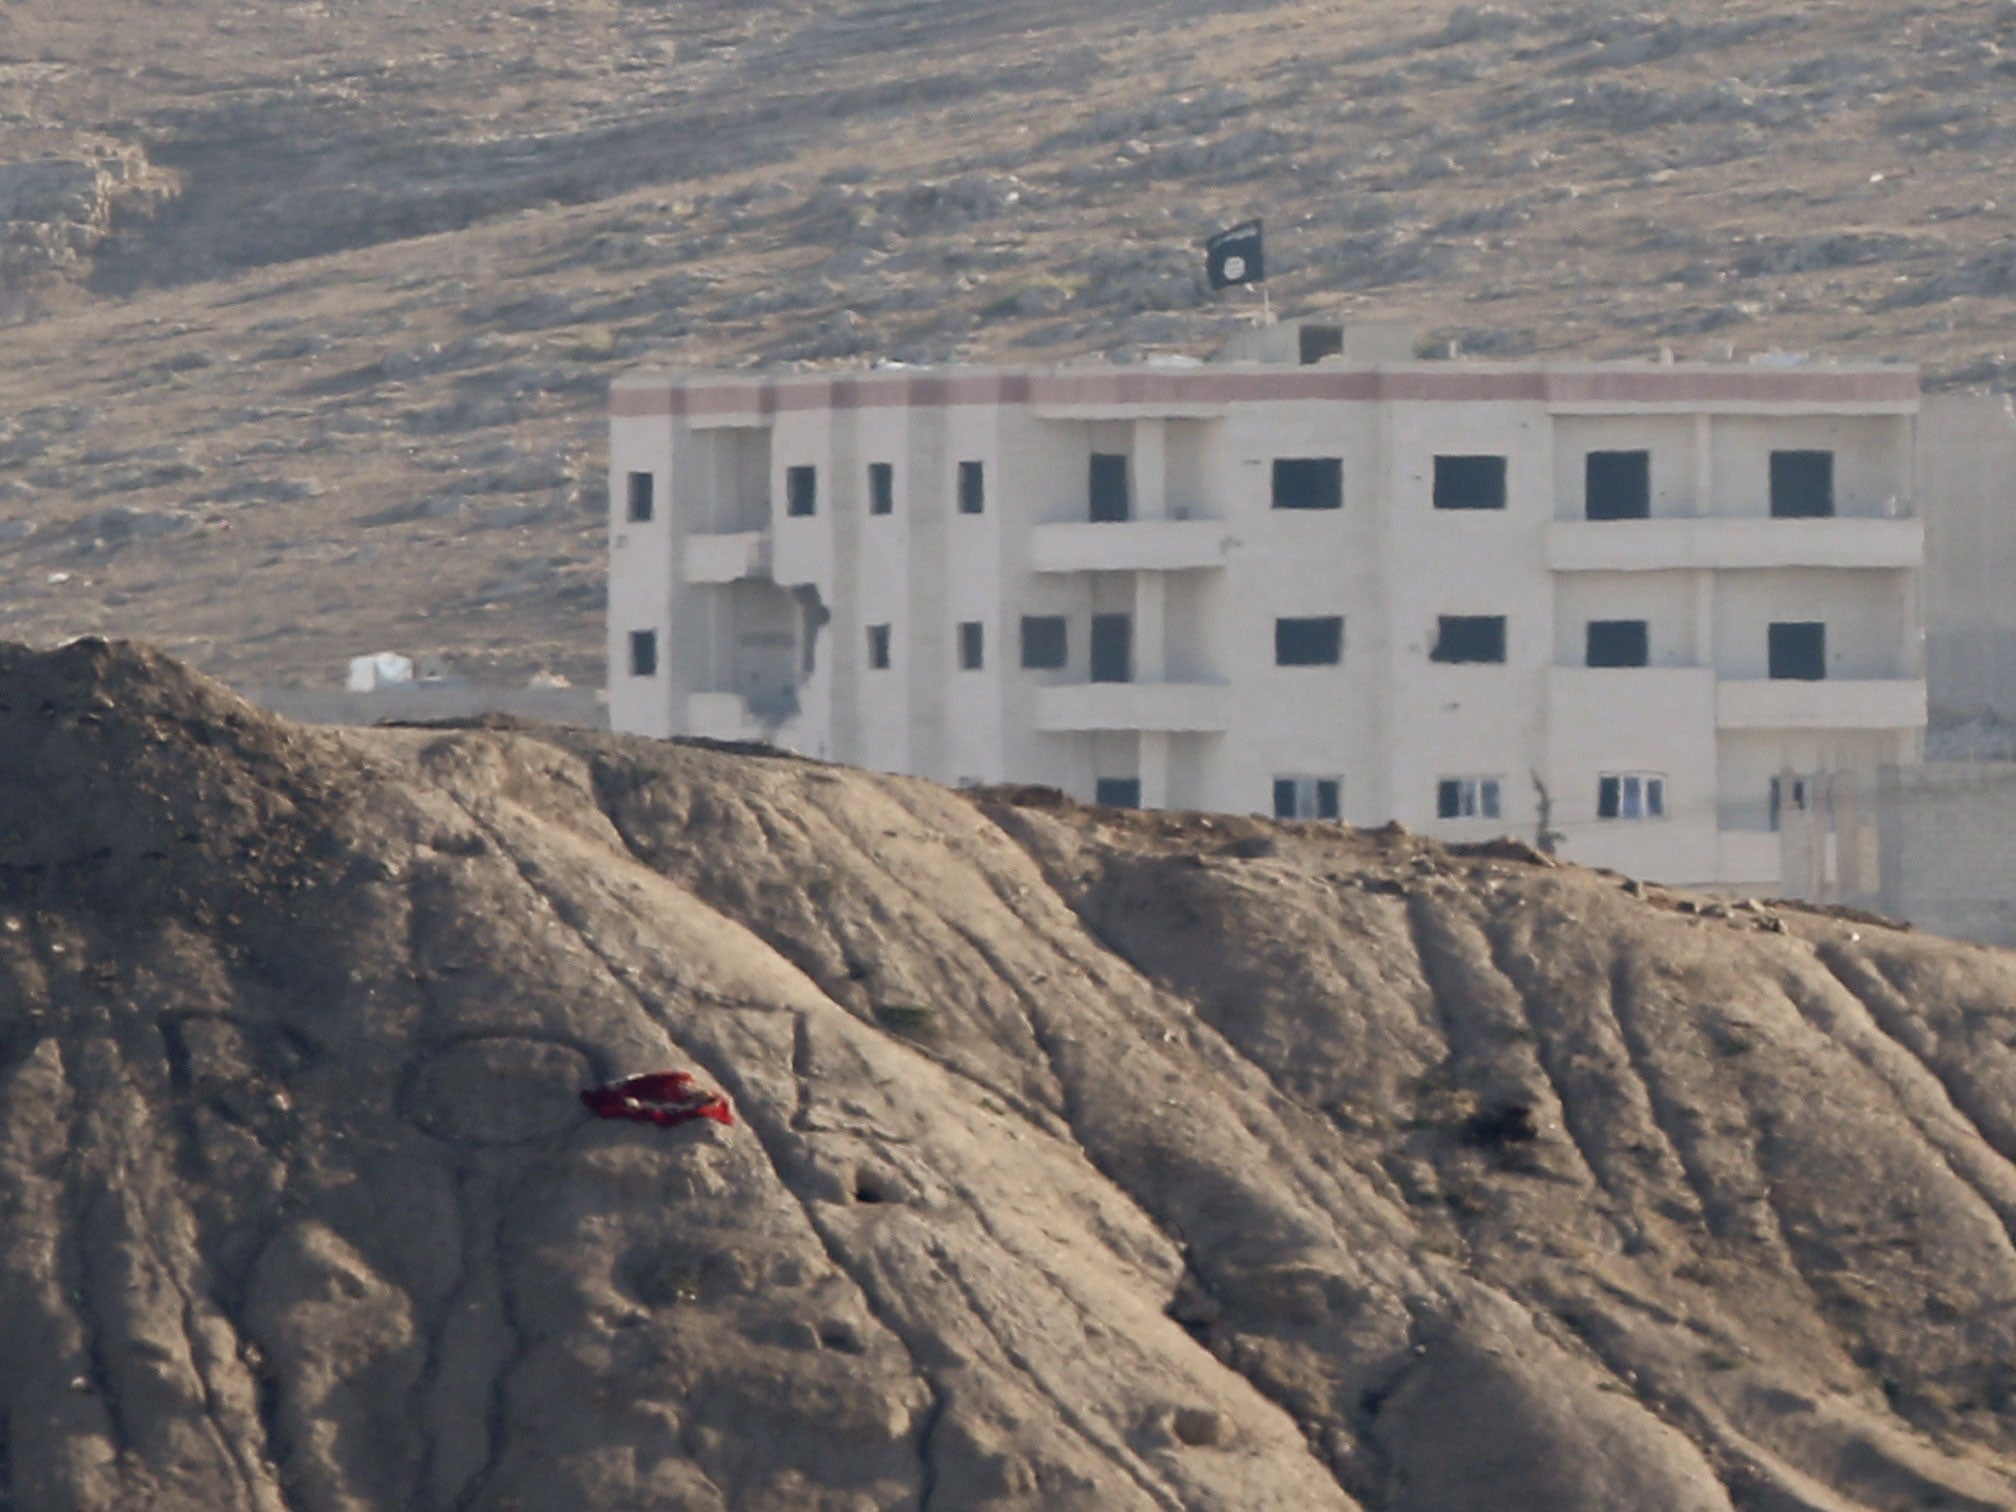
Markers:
313,306
1081,1159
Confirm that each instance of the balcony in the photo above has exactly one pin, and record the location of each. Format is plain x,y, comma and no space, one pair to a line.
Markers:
1595,697
1662,545
727,558
1843,704
1174,708
1129,546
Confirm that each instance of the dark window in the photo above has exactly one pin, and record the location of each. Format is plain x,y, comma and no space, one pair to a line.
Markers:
878,647
1787,794
1315,342
1306,797
1112,648
1618,643
1108,486
881,488
643,653
1117,792
1798,649
1043,641
1308,483
1469,482
1617,485
801,490
972,488
1469,638
1467,798
1309,642
1802,484
640,496
971,645
1631,795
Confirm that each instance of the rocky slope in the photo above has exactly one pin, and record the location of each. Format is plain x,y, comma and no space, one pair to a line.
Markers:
1083,1159
315,305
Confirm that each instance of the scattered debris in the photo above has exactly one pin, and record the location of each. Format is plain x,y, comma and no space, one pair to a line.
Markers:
660,1097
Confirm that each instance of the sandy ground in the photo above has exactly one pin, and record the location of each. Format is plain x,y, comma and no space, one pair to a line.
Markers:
1083,1159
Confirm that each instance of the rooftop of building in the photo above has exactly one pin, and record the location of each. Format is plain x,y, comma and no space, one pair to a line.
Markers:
1359,360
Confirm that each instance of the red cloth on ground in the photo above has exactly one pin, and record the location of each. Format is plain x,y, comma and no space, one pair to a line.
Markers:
660,1097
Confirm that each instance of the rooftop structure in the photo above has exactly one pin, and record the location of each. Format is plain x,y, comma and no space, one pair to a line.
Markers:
1324,579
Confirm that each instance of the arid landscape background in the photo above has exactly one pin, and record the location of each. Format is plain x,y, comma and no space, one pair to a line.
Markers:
310,308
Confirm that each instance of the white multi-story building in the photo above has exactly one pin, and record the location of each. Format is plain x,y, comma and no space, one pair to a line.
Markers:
1673,596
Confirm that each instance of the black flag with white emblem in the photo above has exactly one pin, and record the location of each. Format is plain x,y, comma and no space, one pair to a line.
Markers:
1234,257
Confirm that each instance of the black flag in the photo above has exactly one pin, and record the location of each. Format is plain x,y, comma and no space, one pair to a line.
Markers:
1234,257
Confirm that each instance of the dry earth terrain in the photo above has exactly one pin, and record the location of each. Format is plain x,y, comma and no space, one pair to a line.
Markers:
1084,1159
311,307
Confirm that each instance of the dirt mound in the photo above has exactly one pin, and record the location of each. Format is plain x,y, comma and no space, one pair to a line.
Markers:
1081,1159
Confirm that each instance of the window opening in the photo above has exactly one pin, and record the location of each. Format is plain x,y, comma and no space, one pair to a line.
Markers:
1315,642
1788,795
1315,342
881,488
1802,485
972,488
640,496
1117,792
878,647
1308,482
643,653
1618,643
1617,485
1798,650
1044,644
1108,487
971,645
1470,482
1467,798
1307,797
1112,648
801,491
1469,638
1631,795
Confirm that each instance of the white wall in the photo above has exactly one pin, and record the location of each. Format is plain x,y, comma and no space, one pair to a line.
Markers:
1387,721
1966,451
1645,720
1665,600
1669,439
1461,720
641,576
1866,614
1872,459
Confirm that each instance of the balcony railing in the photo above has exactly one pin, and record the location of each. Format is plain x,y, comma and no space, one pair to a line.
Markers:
1832,704
1707,542
727,558
1129,546
1174,707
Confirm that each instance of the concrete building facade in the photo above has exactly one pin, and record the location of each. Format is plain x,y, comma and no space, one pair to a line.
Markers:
1967,483
1366,587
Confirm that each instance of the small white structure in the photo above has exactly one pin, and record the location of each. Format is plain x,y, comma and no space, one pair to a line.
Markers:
1326,580
381,669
